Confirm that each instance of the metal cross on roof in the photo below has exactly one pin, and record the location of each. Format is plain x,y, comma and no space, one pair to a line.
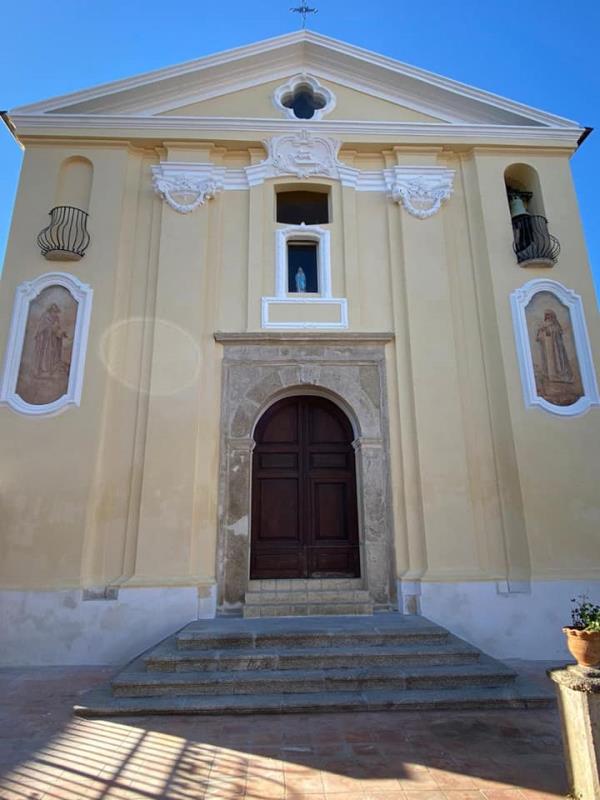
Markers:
304,9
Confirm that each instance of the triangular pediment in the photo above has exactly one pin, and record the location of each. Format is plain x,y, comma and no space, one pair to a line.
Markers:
257,102
240,84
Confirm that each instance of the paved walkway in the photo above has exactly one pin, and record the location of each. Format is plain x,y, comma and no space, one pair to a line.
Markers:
46,753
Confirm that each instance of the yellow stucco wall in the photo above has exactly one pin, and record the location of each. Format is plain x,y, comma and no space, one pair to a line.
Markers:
257,102
123,489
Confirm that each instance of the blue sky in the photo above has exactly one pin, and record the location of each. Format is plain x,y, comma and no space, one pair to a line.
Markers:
544,54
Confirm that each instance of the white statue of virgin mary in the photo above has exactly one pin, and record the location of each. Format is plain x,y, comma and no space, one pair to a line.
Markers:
300,279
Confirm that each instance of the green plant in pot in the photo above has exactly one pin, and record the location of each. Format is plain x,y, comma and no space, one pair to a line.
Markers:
583,636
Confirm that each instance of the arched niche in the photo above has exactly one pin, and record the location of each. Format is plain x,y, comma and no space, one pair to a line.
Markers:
74,186
524,179
66,238
534,245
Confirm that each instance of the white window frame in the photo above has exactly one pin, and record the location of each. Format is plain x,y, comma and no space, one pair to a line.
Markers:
24,295
303,233
318,89
519,300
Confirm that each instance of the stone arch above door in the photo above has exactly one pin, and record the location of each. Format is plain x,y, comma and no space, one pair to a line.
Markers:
258,370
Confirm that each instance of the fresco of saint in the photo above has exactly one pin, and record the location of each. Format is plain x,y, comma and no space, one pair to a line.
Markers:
553,350
49,343
46,356
555,360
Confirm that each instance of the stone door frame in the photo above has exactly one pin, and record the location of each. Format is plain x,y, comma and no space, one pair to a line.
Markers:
258,370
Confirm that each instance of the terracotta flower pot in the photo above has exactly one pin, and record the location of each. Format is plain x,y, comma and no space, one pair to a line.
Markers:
584,646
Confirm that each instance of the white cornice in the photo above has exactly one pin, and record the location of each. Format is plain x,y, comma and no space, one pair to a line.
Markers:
148,78
315,47
440,81
198,127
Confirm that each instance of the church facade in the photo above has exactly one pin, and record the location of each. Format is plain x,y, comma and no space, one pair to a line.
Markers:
300,315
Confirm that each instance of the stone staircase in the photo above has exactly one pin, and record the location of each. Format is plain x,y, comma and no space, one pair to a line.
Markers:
306,664
314,597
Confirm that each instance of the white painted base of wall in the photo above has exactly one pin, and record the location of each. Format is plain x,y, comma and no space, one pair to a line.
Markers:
523,621
54,628
519,621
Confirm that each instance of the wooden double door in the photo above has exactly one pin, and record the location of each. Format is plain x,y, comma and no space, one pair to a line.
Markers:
304,511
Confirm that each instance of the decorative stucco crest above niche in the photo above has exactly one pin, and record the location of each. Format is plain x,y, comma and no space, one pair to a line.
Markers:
187,186
421,190
303,155
321,99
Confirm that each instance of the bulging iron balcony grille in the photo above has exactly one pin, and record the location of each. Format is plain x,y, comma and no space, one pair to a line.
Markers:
66,238
532,242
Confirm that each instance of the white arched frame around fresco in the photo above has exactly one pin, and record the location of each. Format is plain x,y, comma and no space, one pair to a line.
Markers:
519,300
25,293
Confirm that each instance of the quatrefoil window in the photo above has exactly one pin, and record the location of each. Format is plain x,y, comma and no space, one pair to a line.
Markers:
303,97
303,102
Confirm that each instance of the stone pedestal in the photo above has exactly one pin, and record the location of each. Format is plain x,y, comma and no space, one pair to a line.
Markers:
578,690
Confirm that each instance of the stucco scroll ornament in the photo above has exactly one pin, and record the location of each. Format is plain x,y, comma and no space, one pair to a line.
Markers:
184,192
303,155
421,193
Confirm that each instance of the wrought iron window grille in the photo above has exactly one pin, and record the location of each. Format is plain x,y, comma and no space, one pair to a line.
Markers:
533,244
66,238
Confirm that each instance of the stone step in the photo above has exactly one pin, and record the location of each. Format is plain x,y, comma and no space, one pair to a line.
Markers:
227,633
519,695
264,597
135,682
286,665
167,658
306,609
296,584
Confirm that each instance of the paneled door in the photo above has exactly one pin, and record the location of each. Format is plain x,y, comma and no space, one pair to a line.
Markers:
304,512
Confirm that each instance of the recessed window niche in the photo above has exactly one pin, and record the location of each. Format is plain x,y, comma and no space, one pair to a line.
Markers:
66,237
302,267
534,245
298,207
303,293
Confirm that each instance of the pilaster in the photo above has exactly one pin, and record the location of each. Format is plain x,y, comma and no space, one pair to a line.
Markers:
166,523
256,246
439,420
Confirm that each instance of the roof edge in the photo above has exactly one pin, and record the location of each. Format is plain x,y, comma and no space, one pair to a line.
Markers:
194,127
285,40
